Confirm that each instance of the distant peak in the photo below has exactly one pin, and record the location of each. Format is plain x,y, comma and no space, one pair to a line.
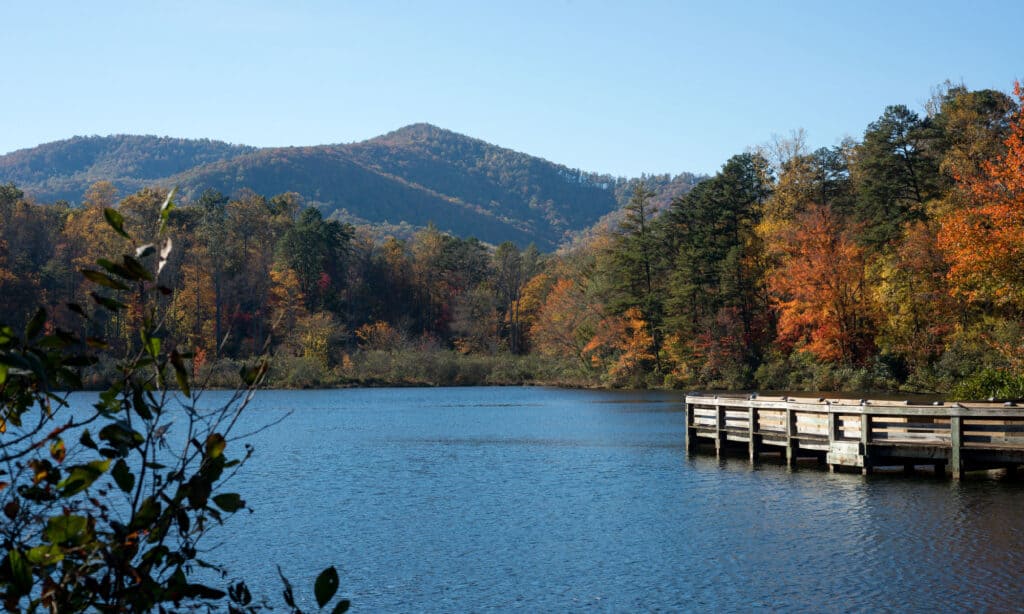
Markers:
418,132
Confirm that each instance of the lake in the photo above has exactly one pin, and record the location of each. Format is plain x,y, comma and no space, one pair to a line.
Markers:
538,499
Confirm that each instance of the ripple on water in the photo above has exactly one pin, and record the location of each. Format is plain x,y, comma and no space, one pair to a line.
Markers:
552,500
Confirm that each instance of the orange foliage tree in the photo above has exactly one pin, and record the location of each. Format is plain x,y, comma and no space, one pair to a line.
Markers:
820,292
622,346
566,321
984,242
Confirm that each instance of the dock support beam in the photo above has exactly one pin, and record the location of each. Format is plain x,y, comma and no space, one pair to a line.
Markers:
691,430
721,437
792,443
833,430
865,441
755,439
956,461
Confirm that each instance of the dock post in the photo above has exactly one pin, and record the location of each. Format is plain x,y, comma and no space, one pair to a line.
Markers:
754,438
792,443
956,461
720,433
865,440
833,429
691,431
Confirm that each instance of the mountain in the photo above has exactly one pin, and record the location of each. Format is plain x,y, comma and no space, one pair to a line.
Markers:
416,175
64,169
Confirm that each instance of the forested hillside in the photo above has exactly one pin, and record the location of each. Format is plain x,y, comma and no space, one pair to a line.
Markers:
65,169
889,262
415,176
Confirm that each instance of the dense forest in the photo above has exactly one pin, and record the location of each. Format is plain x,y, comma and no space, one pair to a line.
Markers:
893,262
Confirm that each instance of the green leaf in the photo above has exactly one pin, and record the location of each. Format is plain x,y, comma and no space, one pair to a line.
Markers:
140,404
215,445
36,324
137,269
81,477
44,555
108,303
119,434
116,221
124,478
86,440
326,585
148,512
98,277
3,373
180,373
229,502
166,208
152,344
116,269
71,530
21,573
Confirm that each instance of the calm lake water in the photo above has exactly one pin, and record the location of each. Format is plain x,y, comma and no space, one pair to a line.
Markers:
538,499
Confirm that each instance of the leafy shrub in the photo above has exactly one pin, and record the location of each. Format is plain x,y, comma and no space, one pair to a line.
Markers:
101,512
998,384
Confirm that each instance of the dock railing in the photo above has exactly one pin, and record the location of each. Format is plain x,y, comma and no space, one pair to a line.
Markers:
863,434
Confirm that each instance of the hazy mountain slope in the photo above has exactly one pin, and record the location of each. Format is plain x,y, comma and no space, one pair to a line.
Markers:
494,178
326,177
64,169
416,175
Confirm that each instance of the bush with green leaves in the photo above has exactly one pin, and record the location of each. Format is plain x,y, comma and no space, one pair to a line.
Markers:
102,511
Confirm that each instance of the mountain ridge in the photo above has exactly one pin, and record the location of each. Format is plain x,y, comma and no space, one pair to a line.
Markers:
417,175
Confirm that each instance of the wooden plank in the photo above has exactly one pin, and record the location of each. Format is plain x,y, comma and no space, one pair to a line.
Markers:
1005,441
973,427
883,424
941,442
995,445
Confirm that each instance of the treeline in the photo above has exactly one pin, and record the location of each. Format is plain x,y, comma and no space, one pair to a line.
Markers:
893,262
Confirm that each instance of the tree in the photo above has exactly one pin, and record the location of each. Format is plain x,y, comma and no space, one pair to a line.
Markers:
896,172
917,311
820,291
973,126
512,270
984,242
100,515
634,267
719,258
566,322
317,251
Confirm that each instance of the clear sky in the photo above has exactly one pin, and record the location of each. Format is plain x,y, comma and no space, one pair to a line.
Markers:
616,87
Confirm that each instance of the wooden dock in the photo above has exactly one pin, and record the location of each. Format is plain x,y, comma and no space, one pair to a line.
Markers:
861,434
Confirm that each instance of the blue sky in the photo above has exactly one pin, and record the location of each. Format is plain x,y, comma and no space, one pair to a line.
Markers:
615,87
